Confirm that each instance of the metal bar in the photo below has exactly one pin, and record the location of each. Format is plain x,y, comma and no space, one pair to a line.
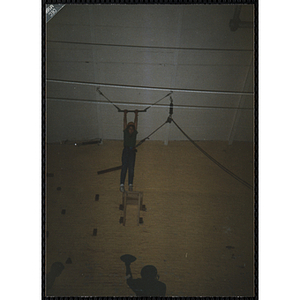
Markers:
144,110
109,170
119,110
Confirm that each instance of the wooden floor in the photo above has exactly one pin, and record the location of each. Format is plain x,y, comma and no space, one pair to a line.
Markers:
198,224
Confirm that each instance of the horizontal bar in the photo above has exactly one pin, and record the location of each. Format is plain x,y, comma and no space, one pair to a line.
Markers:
120,110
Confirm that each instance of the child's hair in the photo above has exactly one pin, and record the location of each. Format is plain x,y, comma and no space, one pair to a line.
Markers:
130,124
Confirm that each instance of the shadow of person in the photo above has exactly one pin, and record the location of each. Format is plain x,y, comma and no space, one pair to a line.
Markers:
149,284
55,271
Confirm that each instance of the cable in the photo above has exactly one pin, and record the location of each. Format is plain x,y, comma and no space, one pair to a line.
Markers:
169,120
152,47
151,105
158,100
214,160
151,88
139,144
203,151
143,140
98,90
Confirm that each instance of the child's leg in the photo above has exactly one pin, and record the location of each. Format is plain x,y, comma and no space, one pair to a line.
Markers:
124,166
131,164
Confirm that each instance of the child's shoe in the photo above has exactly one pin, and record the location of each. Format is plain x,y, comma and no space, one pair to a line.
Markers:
130,187
122,189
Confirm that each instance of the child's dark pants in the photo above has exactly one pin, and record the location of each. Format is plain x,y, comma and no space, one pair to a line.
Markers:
128,161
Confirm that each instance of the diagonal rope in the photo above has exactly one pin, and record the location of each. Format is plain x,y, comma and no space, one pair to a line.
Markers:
99,91
146,138
214,160
119,110
158,101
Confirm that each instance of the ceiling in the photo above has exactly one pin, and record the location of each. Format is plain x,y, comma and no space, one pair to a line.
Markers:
138,54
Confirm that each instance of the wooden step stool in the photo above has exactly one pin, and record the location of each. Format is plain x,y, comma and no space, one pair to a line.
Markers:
132,198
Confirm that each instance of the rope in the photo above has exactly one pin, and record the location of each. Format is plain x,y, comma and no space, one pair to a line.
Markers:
153,47
197,146
98,90
143,140
169,120
139,144
119,110
214,160
158,101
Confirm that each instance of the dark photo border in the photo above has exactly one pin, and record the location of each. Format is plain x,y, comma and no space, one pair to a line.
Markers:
256,137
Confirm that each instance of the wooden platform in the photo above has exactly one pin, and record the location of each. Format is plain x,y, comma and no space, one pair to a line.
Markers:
132,198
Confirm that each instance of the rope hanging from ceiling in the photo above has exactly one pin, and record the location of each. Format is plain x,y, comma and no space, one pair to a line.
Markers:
169,120
214,160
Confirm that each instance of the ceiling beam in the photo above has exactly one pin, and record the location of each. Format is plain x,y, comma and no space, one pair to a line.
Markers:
150,88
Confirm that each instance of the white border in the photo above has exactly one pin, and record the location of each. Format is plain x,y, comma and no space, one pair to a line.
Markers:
279,126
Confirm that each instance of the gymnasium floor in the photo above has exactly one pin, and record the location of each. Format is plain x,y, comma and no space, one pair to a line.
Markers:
198,228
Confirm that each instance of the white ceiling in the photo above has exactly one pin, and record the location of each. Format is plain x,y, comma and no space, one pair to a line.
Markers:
137,54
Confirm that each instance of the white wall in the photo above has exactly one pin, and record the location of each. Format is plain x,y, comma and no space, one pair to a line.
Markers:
138,54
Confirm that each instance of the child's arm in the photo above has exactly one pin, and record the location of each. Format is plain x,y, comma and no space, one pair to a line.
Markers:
136,119
125,119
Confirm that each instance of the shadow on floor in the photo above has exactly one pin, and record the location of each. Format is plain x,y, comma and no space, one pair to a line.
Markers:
149,284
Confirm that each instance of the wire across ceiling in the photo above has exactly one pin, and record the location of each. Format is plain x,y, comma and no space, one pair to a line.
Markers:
151,88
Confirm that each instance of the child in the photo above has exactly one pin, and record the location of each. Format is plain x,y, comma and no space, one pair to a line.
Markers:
129,152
